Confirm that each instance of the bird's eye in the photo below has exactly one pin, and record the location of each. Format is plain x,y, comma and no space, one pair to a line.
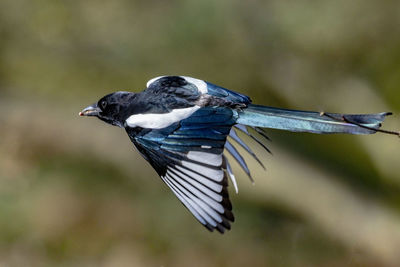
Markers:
103,104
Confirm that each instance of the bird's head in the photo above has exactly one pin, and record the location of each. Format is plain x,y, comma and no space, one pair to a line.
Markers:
111,108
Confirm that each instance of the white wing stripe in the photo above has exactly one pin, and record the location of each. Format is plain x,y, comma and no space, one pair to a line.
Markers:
198,185
207,158
210,211
211,202
217,197
216,175
192,199
207,182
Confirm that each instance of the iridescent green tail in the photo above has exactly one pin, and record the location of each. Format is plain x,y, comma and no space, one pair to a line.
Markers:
313,122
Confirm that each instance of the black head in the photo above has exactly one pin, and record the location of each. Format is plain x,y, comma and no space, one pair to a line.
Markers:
111,108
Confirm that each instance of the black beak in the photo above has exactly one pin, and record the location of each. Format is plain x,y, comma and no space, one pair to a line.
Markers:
92,110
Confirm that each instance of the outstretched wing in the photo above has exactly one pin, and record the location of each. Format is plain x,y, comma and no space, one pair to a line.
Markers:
188,156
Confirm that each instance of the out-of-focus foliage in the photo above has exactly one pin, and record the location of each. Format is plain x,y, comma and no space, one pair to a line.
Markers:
73,193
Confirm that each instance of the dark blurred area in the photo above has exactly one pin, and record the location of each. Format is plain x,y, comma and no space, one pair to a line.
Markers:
73,192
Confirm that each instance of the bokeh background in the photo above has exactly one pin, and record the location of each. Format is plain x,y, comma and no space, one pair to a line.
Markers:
73,192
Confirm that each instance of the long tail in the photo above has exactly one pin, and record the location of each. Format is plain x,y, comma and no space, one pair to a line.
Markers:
313,122
256,117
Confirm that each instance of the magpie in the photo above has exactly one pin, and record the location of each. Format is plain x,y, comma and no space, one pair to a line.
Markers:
181,125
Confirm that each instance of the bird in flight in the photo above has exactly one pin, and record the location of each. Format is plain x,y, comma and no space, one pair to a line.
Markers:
180,125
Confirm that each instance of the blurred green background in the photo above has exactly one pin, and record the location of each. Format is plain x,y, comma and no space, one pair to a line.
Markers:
73,192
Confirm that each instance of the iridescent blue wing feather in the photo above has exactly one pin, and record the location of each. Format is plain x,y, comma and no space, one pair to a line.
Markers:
188,156
227,94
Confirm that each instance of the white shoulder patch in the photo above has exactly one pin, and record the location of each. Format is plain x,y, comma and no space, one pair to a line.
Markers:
159,121
200,84
153,80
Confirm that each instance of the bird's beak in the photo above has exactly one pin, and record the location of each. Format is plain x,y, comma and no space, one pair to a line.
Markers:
92,110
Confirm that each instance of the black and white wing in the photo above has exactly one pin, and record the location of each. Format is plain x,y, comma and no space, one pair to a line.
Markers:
188,156
184,141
